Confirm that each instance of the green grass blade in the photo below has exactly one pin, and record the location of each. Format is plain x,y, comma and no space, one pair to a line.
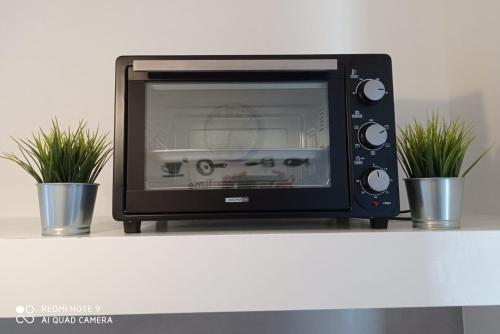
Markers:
435,148
63,156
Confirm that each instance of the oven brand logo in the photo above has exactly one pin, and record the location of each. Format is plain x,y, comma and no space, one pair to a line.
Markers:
25,314
237,199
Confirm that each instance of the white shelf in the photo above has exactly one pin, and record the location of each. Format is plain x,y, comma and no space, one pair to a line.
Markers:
225,267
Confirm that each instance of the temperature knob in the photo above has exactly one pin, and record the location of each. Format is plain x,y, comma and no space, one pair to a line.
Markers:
371,91
372,135
376,181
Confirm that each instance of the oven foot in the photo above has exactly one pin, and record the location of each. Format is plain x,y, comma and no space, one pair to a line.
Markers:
132,226
379,223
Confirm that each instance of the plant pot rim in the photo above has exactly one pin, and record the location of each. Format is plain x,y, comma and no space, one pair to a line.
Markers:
67,183
434,178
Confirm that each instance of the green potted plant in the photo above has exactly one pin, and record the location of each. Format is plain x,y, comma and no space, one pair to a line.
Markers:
431,155
65,165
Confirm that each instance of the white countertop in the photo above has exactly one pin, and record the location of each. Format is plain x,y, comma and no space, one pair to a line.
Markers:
244,266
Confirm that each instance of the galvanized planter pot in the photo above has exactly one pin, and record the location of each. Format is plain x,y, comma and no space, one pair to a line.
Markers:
435,203
66,208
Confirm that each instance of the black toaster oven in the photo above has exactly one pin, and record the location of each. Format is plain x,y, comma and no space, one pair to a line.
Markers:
199,137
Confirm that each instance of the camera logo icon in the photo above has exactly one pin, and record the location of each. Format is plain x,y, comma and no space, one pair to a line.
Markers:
25,314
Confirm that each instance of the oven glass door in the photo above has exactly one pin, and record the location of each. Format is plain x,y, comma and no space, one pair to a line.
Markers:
227,135
253,144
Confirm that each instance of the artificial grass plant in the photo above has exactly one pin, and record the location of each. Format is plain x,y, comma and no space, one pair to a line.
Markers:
435,148
63,156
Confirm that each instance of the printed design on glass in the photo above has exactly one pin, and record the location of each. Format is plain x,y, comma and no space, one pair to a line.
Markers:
225,135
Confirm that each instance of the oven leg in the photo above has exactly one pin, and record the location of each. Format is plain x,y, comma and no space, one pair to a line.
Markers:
379,223
132,226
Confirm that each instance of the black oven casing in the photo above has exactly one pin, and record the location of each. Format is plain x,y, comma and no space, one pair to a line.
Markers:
348,196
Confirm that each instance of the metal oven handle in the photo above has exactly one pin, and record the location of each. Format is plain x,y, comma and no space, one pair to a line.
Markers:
208,65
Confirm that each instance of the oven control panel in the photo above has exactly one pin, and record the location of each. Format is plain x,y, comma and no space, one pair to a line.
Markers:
373,139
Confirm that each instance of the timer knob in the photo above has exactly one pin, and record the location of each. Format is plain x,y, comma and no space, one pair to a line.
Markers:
376,180
371,91
372,135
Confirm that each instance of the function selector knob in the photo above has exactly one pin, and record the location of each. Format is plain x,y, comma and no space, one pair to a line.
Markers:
370,91
372,135
376,181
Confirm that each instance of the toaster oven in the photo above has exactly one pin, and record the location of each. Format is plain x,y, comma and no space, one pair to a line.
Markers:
200,137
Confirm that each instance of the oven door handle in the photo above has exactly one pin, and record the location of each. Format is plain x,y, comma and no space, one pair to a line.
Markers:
218,65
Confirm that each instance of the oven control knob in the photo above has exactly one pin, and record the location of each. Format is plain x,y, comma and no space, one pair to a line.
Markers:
370,91
376,181
372,135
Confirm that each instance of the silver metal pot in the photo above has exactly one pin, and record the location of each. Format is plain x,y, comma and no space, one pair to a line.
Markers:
66,208
436,202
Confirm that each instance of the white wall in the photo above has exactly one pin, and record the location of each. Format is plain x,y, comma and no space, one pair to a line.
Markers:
57,57
473,57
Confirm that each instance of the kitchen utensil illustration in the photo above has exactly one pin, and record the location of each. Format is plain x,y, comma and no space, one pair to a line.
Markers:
295,162
206,166
172,169
264,162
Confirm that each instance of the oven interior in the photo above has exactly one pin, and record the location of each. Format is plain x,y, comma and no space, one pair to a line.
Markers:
237,135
